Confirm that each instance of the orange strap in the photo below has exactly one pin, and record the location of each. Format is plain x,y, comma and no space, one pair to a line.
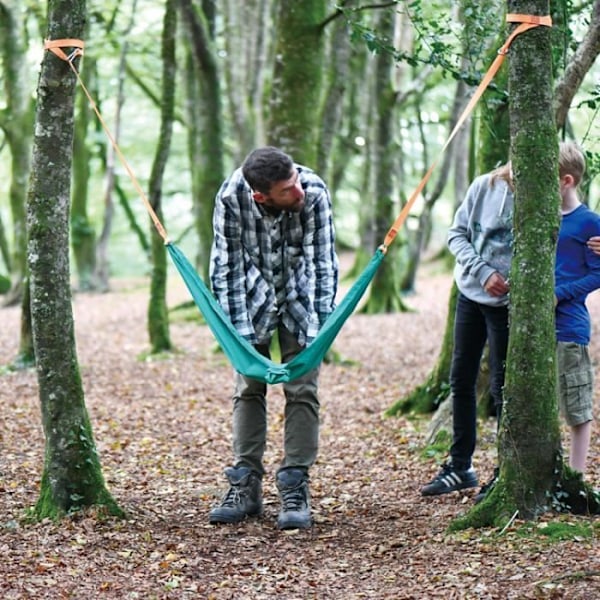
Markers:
55,46
526,22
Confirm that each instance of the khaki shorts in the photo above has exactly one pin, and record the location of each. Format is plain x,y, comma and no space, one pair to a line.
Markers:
575,383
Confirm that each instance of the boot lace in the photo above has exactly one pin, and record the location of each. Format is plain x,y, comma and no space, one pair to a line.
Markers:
294,498
234,496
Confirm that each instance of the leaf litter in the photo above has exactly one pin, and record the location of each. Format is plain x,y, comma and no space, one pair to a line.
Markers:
162,430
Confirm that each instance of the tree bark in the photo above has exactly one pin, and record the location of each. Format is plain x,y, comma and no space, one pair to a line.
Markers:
205,144
384,295
16,121
72,476
158,315
294,105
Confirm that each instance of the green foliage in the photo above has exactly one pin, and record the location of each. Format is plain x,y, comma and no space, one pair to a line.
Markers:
440,445
436,42
559,530
186,312
423,399
4,284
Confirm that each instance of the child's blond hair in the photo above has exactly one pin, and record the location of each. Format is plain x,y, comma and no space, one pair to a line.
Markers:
503,172
571,161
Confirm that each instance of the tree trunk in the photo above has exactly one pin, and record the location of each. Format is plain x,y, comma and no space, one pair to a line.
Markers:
337,78
83,235
248,44
529,439
16,122
384,295
205,109
529,443
72,476
297,80
158,316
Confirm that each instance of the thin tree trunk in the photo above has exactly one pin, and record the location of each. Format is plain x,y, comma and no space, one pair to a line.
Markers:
158,316
16,122
206,151
384,295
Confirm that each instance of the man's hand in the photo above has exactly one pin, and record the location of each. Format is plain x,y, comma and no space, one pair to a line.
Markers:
594,244
496,285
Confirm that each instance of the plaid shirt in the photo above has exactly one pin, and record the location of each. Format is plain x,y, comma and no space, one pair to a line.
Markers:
267,269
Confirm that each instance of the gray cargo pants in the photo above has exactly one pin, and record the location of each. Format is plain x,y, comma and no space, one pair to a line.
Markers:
301,434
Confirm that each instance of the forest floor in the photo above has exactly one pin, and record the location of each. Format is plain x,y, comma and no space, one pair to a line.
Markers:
162,429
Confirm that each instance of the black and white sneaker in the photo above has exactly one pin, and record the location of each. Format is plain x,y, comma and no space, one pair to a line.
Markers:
450,479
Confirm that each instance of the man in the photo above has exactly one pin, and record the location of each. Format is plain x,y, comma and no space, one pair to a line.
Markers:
273,269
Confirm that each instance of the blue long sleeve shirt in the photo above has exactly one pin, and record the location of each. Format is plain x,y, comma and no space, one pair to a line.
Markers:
269,268
577,273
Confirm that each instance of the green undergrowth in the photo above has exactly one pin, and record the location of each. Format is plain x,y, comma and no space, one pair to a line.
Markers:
186,312
149,356
440,446
552,529
561,529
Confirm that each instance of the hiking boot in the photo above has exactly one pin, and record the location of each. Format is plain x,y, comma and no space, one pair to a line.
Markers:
295,499
486,488
243,499
450,479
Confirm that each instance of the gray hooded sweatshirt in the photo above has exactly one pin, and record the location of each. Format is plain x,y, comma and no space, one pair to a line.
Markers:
481,238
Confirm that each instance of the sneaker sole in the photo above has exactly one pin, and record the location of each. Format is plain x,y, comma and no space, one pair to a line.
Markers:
454,488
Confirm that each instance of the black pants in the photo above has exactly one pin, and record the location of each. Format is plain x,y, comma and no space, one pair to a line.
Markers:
474,325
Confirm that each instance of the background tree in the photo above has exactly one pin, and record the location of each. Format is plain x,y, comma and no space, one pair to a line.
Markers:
384,295
205,118
158,319
16,121
295,98
72,476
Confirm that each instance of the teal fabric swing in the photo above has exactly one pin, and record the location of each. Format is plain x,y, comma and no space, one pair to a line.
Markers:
242,355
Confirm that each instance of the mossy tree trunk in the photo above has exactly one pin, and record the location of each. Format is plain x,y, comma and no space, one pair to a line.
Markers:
158,315
294,102
83,235
16,121
529,445
205,115
384,294
72,476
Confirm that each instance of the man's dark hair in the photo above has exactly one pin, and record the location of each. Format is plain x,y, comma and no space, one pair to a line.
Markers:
265,166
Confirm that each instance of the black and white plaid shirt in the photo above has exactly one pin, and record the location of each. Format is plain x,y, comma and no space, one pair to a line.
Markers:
270,268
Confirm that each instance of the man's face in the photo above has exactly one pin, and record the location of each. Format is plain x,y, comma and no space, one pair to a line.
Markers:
285,195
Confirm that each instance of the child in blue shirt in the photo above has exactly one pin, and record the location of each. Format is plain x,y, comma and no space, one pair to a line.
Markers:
577,274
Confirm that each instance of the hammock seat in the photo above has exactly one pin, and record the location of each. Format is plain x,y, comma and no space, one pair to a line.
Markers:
242,355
